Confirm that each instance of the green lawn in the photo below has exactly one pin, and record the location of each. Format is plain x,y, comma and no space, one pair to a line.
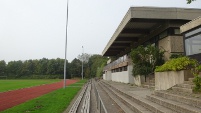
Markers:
54,102
6,85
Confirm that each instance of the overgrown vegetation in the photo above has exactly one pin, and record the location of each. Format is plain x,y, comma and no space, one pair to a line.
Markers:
54,102
197,78
176,56
145,59
177,64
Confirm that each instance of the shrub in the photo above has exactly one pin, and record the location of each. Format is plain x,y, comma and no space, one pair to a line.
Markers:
176,56
145,59
177,64
197,78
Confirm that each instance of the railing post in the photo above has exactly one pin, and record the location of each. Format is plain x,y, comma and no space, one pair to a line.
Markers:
100,106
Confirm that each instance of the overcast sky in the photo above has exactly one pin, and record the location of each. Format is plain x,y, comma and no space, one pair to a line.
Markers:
33,29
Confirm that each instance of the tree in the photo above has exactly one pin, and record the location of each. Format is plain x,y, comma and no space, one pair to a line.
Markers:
75,68
85,57
14,69
2,68
145,59
95,64
189,1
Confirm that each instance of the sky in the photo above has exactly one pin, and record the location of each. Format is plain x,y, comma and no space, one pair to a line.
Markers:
35,29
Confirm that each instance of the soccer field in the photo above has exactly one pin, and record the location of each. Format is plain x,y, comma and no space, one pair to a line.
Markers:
6,85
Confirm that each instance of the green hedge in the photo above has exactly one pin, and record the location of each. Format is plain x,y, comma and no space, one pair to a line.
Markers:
177,64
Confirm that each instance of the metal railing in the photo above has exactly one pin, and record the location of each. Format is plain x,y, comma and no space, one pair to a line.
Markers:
100,104
76,104
86,102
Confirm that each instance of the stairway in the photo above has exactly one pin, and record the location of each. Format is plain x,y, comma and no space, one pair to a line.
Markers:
149,84
187,86
170,101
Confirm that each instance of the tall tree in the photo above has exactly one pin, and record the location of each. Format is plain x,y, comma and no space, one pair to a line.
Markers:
85,57
75,68
2,68
96,62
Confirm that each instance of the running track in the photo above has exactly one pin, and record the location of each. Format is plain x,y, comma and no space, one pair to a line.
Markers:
15,97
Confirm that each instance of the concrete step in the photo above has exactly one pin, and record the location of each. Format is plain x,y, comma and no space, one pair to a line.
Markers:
179,98
148,86
123,107
126,104
175,88
189,86
141,101
176,106
149,83
188,82
190,79
152,80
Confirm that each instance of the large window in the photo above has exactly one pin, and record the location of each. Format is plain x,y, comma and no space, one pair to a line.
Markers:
193,45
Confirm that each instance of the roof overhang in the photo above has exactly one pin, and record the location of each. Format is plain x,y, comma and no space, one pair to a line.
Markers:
140,22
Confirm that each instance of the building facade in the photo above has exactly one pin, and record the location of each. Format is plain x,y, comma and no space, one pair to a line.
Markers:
192,38
159,27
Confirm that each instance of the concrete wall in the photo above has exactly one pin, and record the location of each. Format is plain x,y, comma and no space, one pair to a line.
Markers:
124,76
130,73
120,77
139,80
190,25
104,77
176,44
171,44
108,75
166,80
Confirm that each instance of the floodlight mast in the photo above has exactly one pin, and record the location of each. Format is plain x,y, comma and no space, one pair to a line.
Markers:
65,62
82,60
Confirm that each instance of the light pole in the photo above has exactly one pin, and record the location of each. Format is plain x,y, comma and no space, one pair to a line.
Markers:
64,85
82,60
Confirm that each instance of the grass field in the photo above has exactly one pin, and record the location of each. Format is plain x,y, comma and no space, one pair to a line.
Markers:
6,85
54,102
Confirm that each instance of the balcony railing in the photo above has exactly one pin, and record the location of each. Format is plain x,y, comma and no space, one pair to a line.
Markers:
120,62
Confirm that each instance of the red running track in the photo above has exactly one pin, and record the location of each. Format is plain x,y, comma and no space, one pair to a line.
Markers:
15,97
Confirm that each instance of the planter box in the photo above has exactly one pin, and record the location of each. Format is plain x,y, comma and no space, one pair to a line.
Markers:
166,80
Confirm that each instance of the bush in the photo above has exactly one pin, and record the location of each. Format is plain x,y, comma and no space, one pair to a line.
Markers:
197,78
176,56
177,64
145,59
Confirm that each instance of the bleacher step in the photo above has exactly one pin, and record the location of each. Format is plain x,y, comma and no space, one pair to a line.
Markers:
143,102
176,106
179,98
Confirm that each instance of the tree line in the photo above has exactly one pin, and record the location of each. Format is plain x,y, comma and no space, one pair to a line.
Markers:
54,68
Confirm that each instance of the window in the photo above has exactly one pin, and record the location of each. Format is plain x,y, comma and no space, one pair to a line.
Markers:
163,34
193,45
177,31
193,32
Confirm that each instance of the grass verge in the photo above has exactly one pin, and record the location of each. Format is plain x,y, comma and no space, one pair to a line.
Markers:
7,85
54,102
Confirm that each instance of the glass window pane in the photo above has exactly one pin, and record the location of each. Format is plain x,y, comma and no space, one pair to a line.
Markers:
193,32
193,45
